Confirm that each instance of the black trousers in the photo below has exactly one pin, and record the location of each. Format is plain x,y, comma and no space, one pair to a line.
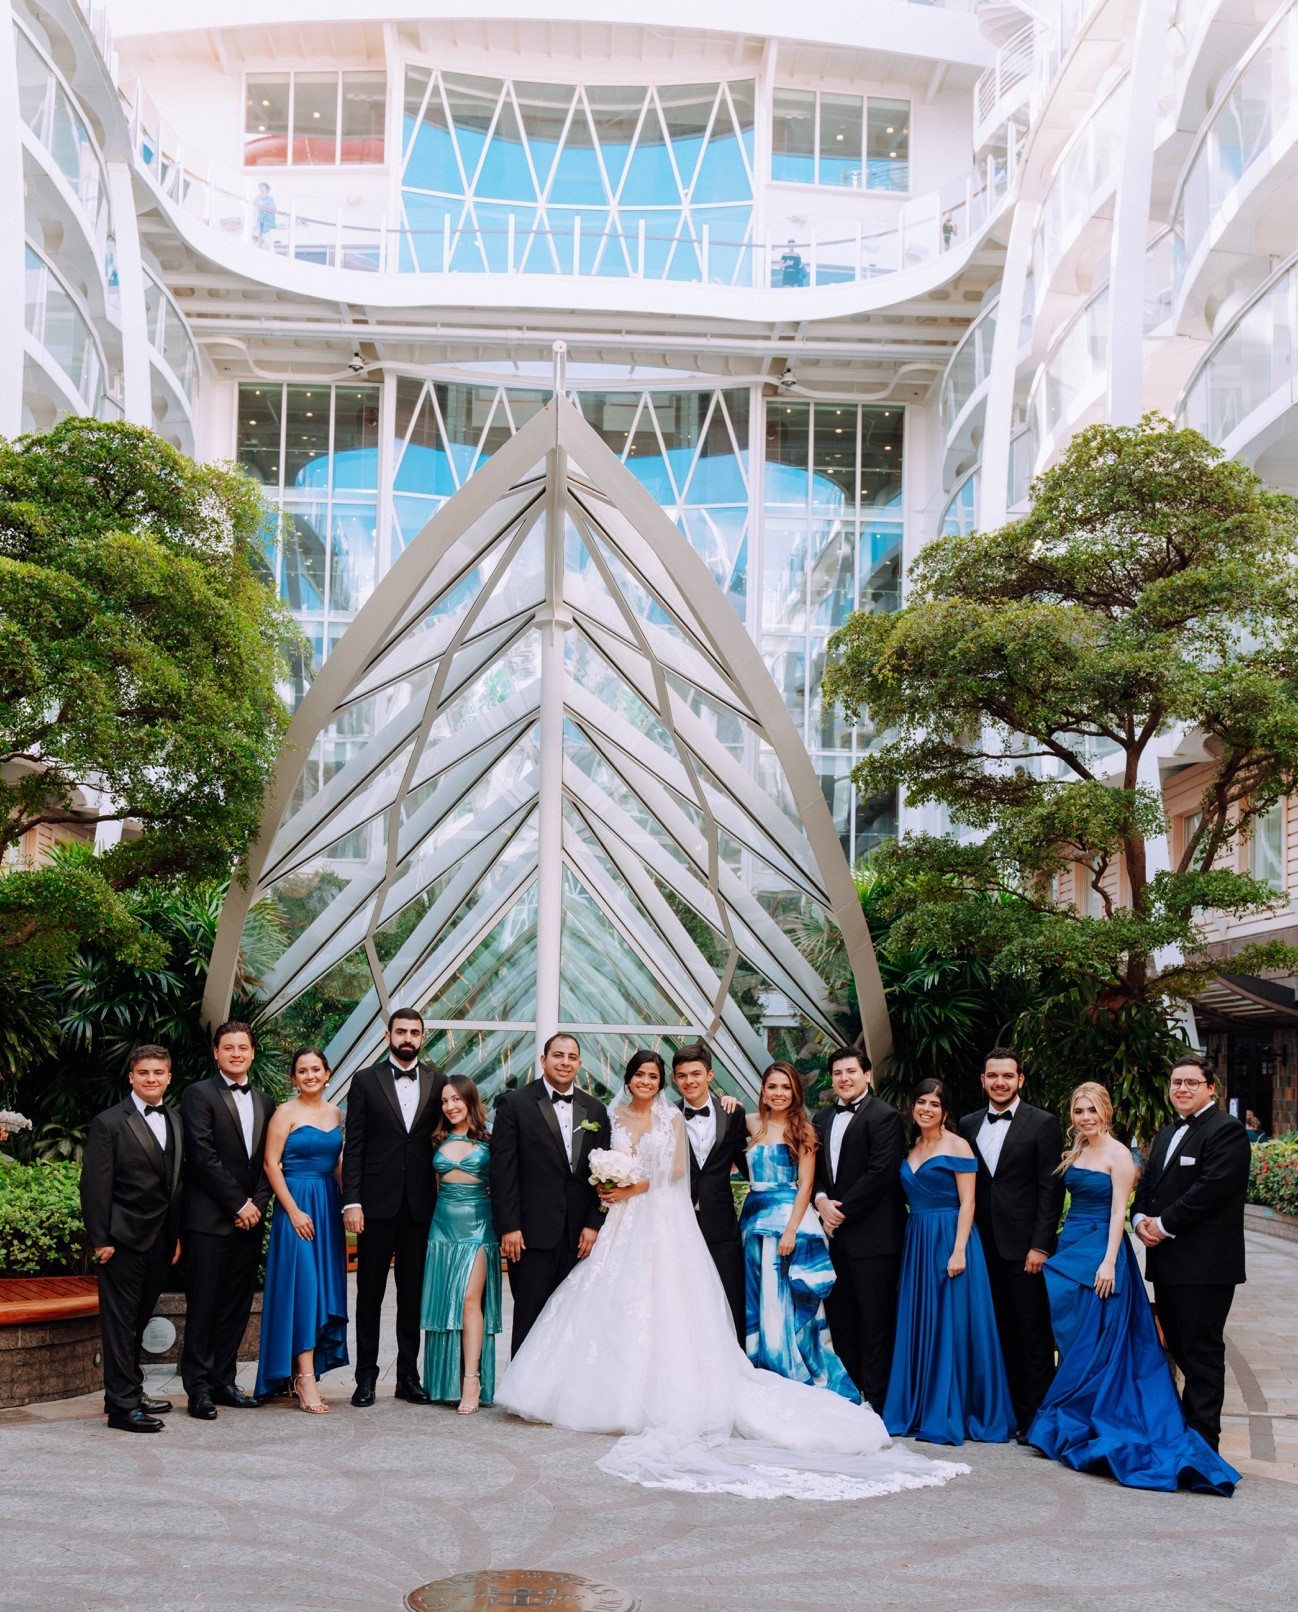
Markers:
861,1309
1194,1325
1022,1308
532,1279
220,1280
728,1257
129,1285
401,1241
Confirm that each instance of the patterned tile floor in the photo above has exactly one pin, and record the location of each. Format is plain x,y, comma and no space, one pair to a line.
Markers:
272,1511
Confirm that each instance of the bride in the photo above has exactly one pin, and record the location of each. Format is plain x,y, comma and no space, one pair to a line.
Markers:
639,1340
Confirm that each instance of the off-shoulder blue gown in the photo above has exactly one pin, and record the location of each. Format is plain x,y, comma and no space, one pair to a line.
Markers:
461,1228
305,1305
948,1379
784,1297
1112,1406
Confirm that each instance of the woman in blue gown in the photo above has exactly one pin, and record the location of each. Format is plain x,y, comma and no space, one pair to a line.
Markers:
1112,1406
787,1270
304,1311
461,1302
948,1379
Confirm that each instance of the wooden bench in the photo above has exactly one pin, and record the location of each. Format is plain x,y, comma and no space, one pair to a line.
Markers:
26,1300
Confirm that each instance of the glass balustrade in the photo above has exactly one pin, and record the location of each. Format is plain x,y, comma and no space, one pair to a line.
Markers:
1252,361
57,322
169,334
969,367
48,109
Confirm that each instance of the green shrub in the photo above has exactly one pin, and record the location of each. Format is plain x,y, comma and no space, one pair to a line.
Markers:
41,1233
1273,1180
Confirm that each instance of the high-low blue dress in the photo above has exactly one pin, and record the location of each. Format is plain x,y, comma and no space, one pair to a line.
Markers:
784,1297
948,1379
1112,1406
305,1304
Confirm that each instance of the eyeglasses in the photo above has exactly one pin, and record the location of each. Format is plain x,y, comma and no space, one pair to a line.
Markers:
1187,1085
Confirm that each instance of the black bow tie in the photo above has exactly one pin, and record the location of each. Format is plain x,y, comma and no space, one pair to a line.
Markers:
239,1091
153,1108
402,1074
697,1113
845,1108
995,1119
560,1096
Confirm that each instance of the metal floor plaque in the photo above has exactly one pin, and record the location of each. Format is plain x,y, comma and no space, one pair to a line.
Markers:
525,1586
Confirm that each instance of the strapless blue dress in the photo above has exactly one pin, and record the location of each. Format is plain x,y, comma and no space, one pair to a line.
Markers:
784,1299
1112,1407
305,1303
948,1379
461,1227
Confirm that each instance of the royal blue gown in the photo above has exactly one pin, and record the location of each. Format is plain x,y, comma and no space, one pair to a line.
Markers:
948,1379
1112,1407
784,1298
461,1229
305,1304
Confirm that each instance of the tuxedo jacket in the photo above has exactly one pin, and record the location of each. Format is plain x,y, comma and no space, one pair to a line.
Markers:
220,1174
535,1188
1018,1208
130,1187
384,1165
1198,1194
714,1203
868,1179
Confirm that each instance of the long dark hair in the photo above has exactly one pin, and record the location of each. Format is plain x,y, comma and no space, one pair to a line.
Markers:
477,1131
641,1060
799,1132
931,1085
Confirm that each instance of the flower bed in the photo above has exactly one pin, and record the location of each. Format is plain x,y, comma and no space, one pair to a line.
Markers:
1273,1180
41,1233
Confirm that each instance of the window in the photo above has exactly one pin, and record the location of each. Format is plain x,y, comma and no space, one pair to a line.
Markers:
313,119
1266,847
821,138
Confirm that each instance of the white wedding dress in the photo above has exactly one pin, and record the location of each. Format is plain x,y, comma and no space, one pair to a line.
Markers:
639,1340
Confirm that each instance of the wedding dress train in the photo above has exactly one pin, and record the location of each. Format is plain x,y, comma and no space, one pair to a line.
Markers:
639,1340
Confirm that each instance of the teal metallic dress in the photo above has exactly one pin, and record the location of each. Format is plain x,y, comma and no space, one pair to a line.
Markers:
461,1227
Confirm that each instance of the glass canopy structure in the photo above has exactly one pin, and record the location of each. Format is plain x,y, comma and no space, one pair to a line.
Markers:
550,824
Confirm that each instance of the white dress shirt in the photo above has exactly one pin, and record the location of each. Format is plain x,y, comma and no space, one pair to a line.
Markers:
407,1091
563,1113
1178,1136
157,1123
702,1132
243,1107
991,1138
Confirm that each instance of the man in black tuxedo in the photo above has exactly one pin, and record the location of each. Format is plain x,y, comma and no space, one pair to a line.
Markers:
857,1193
389,1193
1189,1213
222,1219
1018,1199
546,1212
130,1202
718,1139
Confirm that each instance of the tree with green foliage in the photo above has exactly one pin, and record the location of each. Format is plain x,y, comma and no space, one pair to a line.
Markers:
139,652
1152,586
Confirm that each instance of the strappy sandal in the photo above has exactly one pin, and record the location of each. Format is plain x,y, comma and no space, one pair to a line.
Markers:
318,1409
464,1408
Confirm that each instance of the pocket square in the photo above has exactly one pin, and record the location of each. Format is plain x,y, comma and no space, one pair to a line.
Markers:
1187,1161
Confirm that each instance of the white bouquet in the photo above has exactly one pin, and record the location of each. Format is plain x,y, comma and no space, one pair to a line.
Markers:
610,1167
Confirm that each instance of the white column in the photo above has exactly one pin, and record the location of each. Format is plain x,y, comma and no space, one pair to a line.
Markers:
137,385
12,260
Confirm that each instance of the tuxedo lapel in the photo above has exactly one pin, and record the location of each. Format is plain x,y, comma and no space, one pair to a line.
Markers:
139,1129
551,1120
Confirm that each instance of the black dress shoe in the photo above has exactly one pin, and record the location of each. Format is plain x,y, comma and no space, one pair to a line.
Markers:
201,1407
155,1407
412,1391
235,1397
363,1396
135,1421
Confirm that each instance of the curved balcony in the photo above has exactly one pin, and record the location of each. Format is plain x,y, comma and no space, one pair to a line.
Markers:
967,371
1250,132
49,112
1074,371
1245,382
62,338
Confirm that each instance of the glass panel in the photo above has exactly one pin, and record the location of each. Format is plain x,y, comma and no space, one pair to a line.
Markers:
364,116
840,140
315,119
306,455
887,145
265,125
793,136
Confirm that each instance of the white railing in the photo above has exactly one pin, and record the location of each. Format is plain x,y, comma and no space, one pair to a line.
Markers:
924,229
169,334
968,368
1250,362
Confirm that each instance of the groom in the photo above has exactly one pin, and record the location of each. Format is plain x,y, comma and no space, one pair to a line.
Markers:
546,1213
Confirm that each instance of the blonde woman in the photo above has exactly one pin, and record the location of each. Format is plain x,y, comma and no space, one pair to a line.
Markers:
1112,1407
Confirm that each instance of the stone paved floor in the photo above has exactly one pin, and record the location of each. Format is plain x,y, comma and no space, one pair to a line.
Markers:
272,1511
